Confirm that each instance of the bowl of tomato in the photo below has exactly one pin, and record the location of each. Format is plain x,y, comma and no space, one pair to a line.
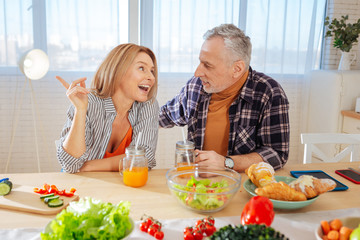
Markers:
203,190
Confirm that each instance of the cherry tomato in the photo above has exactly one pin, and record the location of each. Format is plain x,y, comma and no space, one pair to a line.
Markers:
159,235
210,219
144,226
198,235
199,222
156,225
188,236
152,230
149,221
210,229
188,229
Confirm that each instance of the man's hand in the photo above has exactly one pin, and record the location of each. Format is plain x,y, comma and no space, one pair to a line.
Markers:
209,159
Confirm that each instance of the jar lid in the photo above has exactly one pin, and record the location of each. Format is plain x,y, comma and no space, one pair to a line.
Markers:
185,145
130,150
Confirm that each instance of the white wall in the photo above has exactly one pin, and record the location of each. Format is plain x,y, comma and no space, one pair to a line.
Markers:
336,9
52,105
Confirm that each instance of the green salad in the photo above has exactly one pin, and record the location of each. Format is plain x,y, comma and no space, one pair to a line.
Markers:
199,197
90,219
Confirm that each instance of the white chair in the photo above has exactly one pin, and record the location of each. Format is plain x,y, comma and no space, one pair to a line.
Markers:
311,139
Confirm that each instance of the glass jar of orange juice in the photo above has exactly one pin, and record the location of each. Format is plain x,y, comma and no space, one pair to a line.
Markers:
135,167
184,155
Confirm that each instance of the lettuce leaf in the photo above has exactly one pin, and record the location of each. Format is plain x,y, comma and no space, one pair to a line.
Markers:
198,198
90,219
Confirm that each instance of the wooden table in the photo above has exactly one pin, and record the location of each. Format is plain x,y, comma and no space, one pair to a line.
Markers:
155,199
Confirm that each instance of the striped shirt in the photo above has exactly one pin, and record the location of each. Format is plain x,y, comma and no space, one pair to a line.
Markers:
101,113
259,118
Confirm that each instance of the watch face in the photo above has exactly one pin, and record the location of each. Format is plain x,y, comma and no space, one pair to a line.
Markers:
229,163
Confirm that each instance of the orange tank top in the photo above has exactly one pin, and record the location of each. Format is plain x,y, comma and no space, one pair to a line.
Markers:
123,145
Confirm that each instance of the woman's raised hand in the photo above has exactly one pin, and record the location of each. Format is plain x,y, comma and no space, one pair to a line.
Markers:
76,92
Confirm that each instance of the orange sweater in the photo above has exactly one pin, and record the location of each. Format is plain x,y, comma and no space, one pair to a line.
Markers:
217,122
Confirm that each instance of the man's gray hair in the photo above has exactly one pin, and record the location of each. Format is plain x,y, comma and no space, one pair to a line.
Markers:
235,41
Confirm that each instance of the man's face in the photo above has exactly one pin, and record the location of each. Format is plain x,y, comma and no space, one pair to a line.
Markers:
215,69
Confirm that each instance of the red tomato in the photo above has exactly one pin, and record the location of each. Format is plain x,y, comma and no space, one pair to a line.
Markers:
152,230
159,235
199,222
210,229
149,221
156,225
200,226
210,219
188,229
259,210
144,226
188,236
198,235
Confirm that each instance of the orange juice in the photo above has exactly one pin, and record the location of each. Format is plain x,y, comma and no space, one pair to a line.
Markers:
137,177
182,167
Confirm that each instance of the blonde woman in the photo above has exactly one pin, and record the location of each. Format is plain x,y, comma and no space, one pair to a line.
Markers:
108,117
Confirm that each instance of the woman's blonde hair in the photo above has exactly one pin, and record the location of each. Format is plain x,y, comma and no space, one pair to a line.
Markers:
114,67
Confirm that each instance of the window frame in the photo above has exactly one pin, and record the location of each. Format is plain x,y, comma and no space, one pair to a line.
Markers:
38,9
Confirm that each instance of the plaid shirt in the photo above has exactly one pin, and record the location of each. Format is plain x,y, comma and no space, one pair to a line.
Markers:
259,118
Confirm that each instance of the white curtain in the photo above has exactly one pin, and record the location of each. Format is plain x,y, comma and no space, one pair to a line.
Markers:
286,35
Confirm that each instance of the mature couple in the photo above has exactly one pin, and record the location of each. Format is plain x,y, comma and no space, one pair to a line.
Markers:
234,115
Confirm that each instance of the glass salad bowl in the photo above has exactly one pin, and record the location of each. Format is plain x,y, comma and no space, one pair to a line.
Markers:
203,190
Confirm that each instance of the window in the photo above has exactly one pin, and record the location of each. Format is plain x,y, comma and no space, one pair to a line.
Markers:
89,30
16,32
286,35
77,34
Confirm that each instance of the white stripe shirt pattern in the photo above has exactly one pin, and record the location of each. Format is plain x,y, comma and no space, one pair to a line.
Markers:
143,117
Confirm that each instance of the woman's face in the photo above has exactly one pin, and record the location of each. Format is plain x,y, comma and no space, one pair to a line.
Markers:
138,79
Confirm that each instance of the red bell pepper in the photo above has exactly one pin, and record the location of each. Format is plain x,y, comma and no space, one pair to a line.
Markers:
259,210
39,190
53,189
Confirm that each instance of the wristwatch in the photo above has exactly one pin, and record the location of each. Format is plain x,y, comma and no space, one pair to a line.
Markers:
229,162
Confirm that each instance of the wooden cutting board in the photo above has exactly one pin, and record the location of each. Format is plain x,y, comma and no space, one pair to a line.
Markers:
22,198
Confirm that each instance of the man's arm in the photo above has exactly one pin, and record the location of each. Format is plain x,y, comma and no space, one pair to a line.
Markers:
210,159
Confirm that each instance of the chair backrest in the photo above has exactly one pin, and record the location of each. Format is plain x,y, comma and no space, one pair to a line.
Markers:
311,139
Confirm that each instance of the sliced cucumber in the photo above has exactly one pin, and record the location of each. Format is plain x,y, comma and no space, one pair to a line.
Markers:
49,199
47,195
5,187
56,203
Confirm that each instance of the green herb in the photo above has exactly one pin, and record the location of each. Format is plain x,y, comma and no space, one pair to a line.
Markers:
90,219
247,232
345,34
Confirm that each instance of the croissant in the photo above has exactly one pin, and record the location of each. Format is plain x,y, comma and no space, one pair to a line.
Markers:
312,186
280,191
261,174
